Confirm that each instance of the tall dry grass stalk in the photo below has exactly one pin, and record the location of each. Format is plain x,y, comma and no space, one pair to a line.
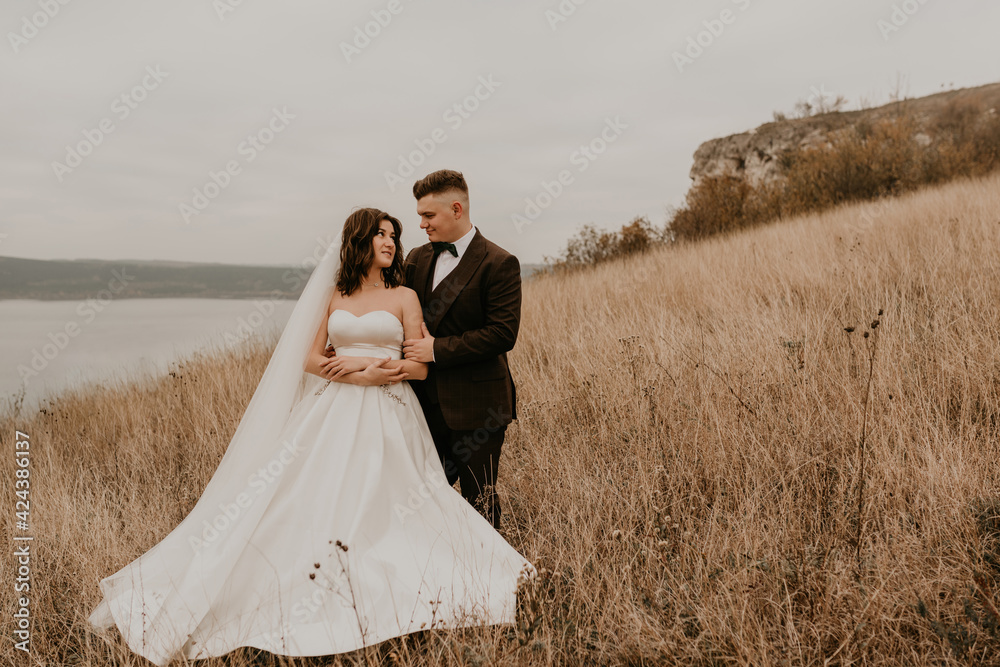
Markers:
686,464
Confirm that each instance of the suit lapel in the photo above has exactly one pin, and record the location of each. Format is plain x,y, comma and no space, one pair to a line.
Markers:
439,300
421,272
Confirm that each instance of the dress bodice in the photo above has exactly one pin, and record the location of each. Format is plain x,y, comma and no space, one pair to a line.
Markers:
377,333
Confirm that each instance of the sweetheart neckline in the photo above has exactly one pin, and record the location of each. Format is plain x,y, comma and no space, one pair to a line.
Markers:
358,317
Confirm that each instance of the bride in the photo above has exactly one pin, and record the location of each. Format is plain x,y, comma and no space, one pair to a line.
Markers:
328,524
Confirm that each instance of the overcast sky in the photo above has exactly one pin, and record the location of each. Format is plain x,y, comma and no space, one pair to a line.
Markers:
115,112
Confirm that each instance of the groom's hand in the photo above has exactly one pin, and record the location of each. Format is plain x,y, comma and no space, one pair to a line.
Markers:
329,352
420,349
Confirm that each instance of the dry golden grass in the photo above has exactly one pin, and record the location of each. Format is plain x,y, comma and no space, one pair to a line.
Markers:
687,466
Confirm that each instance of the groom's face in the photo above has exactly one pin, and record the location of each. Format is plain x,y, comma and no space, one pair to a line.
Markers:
440,216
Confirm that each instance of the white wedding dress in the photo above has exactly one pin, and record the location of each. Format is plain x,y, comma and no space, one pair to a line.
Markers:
353,536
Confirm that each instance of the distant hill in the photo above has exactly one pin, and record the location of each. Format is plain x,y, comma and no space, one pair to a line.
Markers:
52,280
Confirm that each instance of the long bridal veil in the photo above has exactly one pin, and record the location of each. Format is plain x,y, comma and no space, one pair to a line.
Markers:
160,598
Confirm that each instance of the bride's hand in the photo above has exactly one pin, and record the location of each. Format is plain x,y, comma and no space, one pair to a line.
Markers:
375,374
333,368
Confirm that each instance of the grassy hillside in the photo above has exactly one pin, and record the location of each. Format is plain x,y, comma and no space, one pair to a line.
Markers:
712,464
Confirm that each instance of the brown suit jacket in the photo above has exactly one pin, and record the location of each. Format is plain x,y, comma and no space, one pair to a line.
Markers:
474,315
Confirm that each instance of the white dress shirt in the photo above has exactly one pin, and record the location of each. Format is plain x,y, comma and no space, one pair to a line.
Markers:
446,262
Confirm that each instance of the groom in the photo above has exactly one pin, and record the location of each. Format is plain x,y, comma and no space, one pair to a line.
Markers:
470,289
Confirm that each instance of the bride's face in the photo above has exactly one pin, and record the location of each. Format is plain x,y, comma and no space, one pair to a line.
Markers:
384,245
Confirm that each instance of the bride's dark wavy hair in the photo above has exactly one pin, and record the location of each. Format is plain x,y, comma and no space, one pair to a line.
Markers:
357,255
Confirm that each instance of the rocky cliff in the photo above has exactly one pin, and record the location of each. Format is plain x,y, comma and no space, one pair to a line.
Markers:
754,155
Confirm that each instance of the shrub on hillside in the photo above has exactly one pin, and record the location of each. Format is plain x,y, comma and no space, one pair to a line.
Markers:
721,204
970,144
862,162
591,245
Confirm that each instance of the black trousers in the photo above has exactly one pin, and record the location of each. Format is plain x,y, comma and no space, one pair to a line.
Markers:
471,458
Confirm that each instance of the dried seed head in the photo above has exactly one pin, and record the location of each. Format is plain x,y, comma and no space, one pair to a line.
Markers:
874,323
866,334
849,329
316,565
880,312
312,575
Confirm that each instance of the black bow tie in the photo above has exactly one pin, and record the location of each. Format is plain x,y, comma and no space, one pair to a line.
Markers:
440,246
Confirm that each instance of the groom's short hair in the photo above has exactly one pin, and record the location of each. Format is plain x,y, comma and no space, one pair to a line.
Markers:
440,181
